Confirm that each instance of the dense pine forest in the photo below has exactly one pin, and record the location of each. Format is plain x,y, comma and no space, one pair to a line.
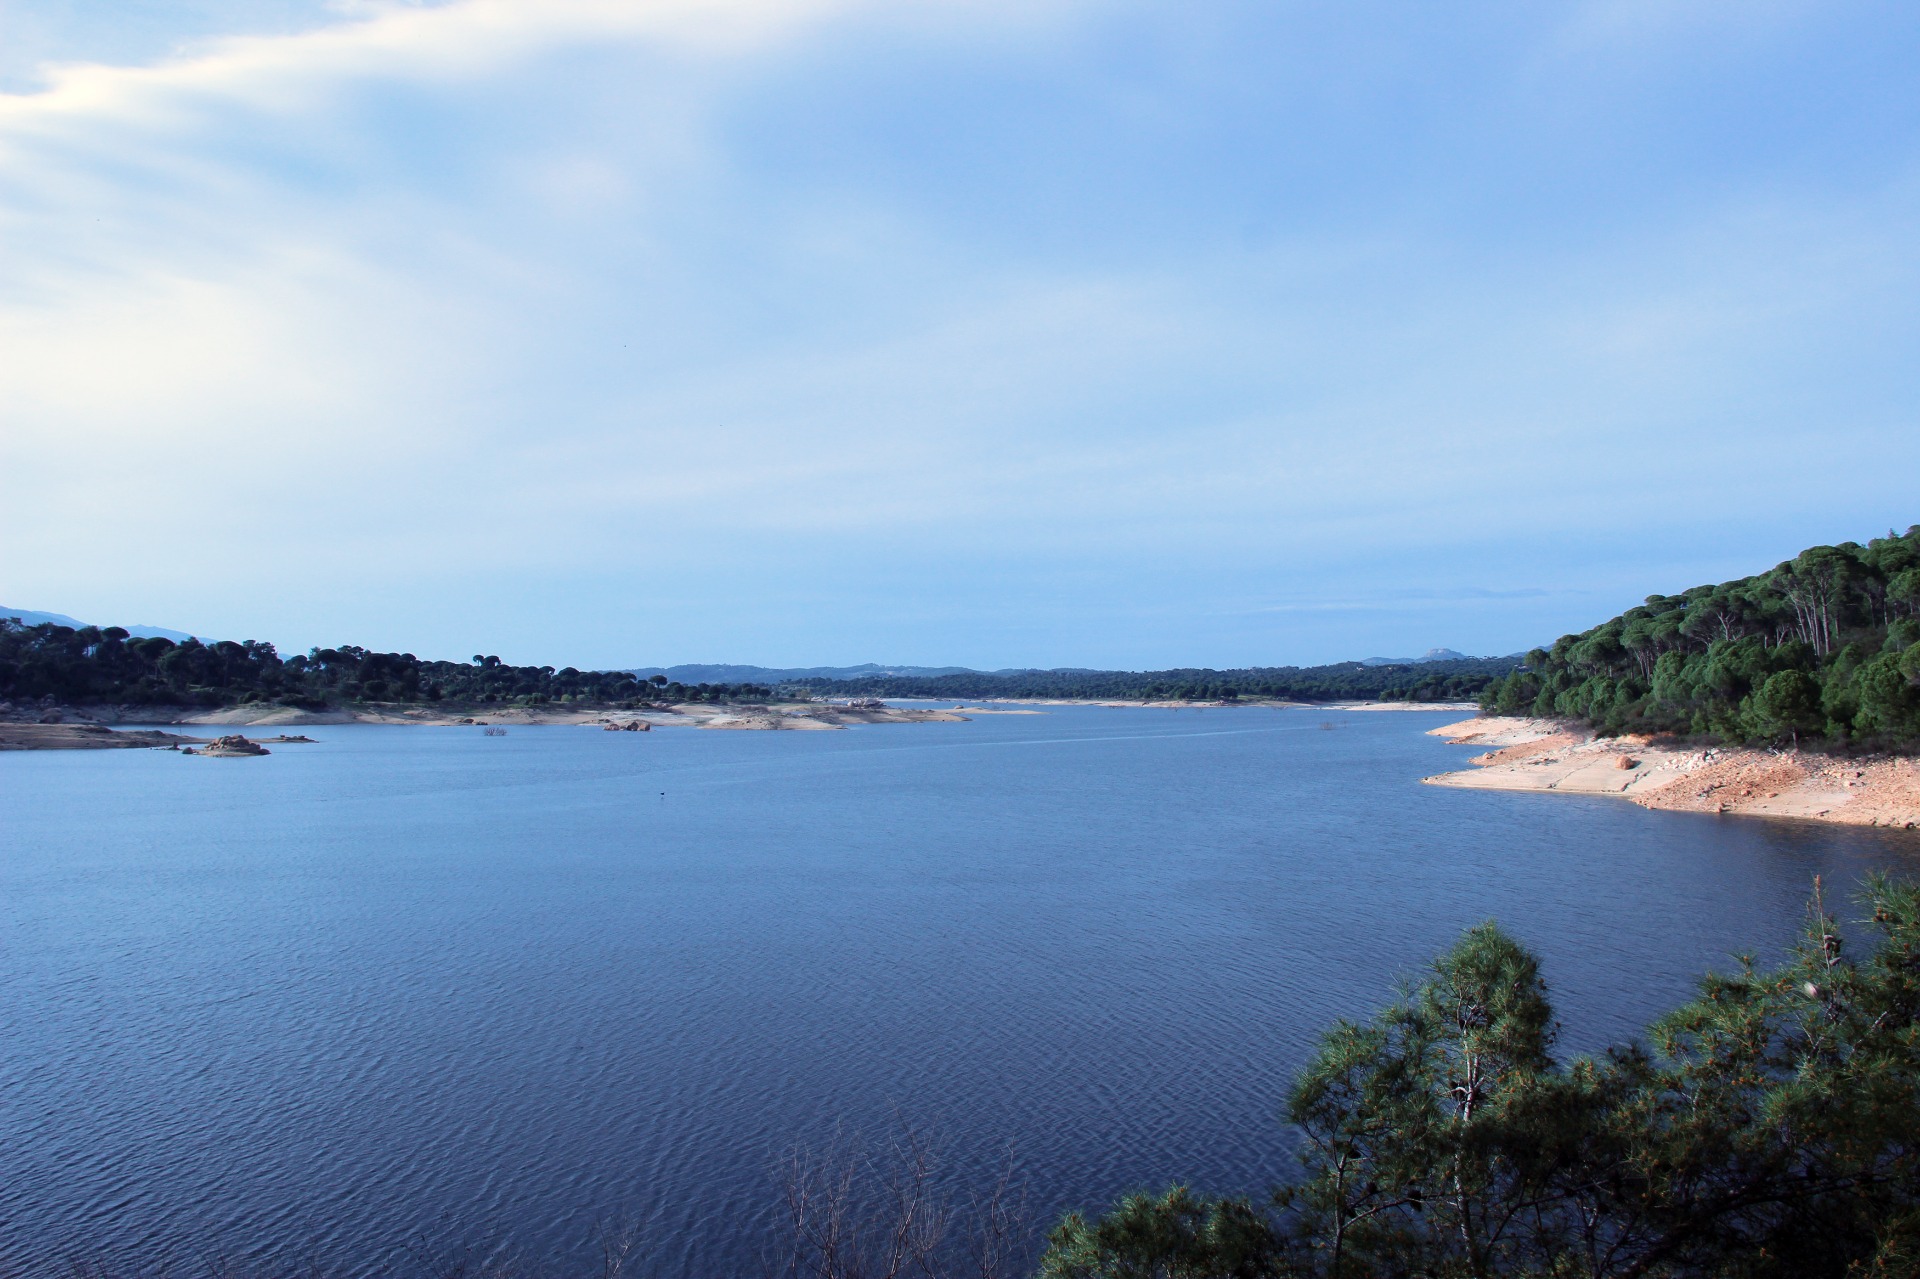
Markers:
1823,649
95,666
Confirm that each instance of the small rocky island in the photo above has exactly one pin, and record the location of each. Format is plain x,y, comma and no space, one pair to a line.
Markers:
231,746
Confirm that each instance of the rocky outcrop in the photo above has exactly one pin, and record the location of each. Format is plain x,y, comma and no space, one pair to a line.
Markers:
232,746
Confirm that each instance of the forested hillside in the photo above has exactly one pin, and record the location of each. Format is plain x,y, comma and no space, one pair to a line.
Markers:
91,665
1425,682
1824,648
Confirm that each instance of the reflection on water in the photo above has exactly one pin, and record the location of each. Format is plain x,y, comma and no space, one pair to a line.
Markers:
416,986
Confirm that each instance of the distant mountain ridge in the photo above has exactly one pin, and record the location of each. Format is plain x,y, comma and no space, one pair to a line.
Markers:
1431,679
697,673
1431,655
33,617
1435,681
724,673
693,673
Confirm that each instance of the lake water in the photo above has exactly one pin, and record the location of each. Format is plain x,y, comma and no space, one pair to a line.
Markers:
410,990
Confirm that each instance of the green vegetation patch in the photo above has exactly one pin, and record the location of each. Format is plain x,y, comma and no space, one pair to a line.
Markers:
95,666
1824,649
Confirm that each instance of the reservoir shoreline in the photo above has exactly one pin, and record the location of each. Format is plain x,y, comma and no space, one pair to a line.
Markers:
46,727
1526,754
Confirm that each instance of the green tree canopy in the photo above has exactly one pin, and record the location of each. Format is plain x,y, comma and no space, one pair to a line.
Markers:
1824,648
1769,1129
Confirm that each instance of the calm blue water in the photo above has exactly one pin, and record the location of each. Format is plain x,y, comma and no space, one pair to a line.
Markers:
410,990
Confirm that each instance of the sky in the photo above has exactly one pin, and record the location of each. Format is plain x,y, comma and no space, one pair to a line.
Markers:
996,333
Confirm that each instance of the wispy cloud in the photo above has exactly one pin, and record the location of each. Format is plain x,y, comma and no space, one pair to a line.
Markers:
995,333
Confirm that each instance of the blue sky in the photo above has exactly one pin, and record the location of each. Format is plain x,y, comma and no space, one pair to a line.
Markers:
1044,333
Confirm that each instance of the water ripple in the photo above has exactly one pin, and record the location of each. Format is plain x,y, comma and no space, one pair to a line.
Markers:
412,989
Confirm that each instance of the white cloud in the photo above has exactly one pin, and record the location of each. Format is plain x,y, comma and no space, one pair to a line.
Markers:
514,293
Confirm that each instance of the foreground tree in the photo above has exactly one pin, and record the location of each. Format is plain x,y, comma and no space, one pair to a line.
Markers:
1169,1236
1771,1127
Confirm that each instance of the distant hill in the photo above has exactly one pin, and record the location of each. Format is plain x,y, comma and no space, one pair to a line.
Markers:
1438,680
721,673
1432,655
32,617
1442,675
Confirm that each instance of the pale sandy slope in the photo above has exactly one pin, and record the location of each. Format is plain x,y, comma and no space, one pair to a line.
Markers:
775,716
1543,755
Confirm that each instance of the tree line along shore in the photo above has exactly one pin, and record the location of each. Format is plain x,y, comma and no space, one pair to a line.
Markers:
50,665
54,665
1821,652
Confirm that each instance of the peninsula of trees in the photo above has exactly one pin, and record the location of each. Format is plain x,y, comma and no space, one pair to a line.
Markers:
1823,649
95,666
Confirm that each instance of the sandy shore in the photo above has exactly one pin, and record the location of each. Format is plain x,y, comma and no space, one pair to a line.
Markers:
83,728
89,727
1544,755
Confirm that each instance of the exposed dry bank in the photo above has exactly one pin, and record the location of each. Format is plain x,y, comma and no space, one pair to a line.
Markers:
1548,755
90,728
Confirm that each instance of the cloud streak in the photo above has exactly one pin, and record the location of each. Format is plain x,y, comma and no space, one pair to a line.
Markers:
1009,335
